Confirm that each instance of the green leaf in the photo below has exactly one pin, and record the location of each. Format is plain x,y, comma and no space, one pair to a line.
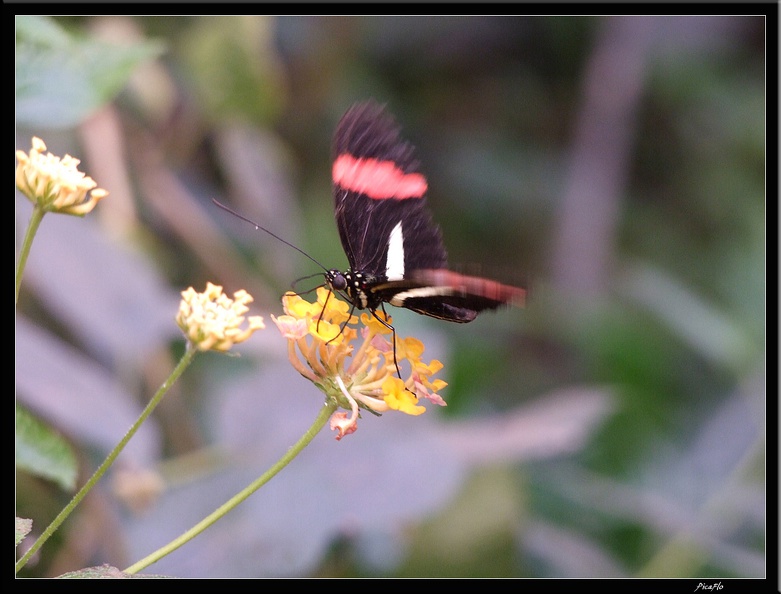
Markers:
23,527
61,78
42,451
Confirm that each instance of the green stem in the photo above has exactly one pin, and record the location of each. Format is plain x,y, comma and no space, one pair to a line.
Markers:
183,363
320,421
32,227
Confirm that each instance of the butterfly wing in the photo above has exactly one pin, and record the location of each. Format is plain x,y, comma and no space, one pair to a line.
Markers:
379,197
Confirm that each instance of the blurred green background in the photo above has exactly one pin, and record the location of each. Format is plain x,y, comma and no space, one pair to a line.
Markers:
615,427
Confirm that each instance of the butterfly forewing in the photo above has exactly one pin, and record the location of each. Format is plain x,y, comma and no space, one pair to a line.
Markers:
394,248
378,188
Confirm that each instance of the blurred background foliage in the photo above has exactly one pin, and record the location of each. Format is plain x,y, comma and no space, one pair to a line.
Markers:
616,166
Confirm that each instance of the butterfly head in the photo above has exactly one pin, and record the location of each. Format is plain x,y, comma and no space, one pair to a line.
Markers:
353,286
336,280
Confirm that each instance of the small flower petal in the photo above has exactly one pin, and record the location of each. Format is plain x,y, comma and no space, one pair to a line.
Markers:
412,348
291,327
334,310
422,391
374,325
399,398
325,331
342,424
294,305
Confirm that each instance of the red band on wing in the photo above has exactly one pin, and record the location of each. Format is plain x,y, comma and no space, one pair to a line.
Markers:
377,179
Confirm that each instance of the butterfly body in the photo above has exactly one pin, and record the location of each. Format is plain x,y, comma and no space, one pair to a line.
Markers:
394,248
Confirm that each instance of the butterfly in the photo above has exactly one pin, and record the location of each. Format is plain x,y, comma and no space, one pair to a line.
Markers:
395,250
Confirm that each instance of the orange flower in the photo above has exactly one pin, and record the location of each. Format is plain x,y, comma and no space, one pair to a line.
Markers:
323,346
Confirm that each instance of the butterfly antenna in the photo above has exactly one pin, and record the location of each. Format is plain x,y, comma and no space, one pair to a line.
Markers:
303,278
274,235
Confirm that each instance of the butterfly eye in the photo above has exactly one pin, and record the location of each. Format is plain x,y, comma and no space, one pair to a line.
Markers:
336,280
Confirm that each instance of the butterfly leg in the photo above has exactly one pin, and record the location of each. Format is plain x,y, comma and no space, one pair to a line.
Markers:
341,328
320,317
393,334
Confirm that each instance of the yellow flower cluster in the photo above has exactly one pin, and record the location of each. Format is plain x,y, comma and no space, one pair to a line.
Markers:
320,346
212,321
55,184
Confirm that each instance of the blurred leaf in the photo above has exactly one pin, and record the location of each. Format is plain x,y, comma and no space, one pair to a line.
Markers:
61,78
78,395
40,450
23,527
567,553
708,330
105,572
477,526
234,66
107,293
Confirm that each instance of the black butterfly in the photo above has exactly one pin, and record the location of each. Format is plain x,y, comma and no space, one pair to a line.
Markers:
394,248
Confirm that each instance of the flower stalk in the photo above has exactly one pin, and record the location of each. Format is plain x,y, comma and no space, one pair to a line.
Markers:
184,362
32,227
210,321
